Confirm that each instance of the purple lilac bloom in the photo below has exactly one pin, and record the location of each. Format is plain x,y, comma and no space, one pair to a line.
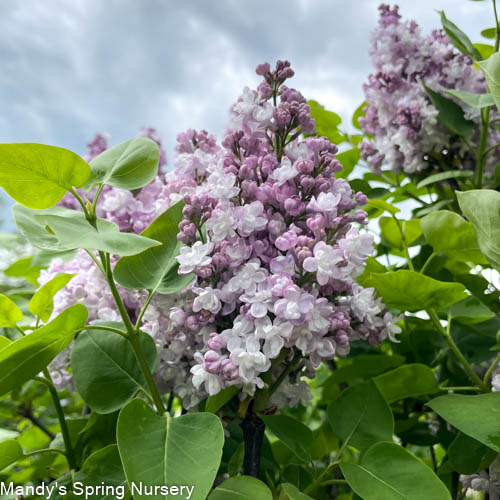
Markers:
406,131
273,240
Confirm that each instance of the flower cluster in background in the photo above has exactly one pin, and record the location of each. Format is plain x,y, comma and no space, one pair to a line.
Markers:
407,134
272,238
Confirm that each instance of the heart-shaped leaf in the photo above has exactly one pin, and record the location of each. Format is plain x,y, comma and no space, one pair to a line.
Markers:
160,451
38,176
389,472
477,416
412,291
482,208
26,357
452,235
406,381
42,302
294,434
129,165
156,268
361,416
68,229
10,453
241,488
105,369
10,314
491,70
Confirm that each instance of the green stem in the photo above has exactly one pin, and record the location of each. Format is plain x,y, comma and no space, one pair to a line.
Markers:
116,295
144,308
81,202
139,354
334,481
45,450
133,336
427,262
480,157
96,262
96,197
457,389
491,148
497,38
284,374
322,478
106,328
456,351
70,454
491,368
405,243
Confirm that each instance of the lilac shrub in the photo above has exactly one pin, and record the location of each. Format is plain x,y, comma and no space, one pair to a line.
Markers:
272,239
404,123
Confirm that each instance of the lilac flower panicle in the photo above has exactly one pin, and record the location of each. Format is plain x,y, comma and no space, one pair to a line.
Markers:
272,239
407,133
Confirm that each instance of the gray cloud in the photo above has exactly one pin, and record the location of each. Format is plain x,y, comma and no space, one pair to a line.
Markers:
70,69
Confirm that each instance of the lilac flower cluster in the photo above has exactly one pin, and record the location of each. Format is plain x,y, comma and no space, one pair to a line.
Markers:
487,480
407,134
272,239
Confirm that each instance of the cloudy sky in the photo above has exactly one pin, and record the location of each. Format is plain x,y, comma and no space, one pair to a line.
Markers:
71,68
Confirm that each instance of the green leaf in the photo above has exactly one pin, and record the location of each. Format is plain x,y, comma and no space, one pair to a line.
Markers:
459,38
293,493
472,99
327,122
489,33
69,230
466,455
470,311
42,302
10,314
476,416
485,50
441,176
129,165
389,472
361,416
383,206
215,403
359,113
241,488
105,369
24,268
406,381
44,257
348,159
491,70
104,466
295,435
4,342
38,176
364,366
412,291
32,230
482,208
26,357
392,234
10,453
156,268
451,114
235,463
156,450
452,235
